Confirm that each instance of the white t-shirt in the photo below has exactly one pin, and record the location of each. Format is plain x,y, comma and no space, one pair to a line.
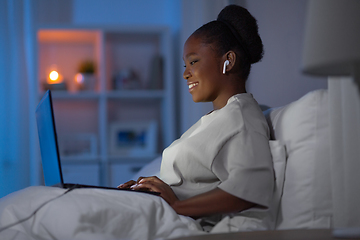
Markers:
228,149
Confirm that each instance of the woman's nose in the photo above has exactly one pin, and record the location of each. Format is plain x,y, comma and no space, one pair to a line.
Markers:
186,74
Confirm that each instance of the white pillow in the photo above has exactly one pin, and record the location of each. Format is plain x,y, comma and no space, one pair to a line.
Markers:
303,127
278,153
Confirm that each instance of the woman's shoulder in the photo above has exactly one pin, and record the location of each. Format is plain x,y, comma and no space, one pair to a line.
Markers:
242,112
241,106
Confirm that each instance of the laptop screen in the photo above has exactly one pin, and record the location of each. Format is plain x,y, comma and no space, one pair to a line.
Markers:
48,141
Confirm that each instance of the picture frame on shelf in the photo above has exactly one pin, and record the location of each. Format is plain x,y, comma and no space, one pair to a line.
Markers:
133,139
82,145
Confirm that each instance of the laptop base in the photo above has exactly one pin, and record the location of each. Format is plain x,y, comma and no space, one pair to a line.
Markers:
74,185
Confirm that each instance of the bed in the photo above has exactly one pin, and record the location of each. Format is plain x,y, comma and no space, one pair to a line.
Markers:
302,197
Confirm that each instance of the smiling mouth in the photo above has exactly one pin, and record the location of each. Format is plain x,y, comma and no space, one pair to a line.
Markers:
192,85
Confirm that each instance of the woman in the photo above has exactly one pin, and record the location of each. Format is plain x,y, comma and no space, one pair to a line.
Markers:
222,164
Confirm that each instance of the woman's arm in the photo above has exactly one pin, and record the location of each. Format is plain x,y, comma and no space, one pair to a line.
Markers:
212,202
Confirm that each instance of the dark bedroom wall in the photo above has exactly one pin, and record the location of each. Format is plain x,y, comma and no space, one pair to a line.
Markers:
278,80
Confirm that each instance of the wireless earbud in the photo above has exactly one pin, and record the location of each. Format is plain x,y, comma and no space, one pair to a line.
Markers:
225,64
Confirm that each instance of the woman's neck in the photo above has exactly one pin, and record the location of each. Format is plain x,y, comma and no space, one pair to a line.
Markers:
231,86
222,100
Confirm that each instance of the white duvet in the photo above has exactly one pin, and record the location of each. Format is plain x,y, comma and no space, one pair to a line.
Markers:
90,214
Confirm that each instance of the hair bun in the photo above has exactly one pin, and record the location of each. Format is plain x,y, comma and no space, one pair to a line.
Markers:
246,27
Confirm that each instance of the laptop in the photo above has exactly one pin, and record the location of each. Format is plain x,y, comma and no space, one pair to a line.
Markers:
49,148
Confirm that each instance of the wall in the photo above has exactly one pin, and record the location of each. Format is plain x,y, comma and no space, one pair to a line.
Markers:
135,12
278,80
14,95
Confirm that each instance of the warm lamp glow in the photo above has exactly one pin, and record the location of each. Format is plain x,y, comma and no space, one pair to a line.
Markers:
79,78
54,75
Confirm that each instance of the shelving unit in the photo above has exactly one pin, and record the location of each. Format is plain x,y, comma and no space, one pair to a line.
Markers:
109,131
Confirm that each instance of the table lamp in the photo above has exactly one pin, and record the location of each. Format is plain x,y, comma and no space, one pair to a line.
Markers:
332,48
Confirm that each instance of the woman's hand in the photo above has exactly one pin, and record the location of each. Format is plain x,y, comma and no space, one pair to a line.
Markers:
156,185
127,185
132,184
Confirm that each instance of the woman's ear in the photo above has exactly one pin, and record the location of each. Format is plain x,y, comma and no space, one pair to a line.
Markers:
230,56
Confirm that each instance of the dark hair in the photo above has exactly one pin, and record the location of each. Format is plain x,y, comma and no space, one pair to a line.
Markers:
235,29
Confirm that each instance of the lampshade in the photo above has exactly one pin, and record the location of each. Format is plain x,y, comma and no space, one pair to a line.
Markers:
332,37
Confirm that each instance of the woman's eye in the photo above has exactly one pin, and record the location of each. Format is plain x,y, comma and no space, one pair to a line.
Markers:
193,62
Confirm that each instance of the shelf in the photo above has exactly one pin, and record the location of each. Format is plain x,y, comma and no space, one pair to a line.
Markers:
133,84
120,94
138,94
80,159
121,159
71,36
112,159
73,96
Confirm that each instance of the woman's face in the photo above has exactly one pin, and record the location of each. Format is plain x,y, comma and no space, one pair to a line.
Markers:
203,70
